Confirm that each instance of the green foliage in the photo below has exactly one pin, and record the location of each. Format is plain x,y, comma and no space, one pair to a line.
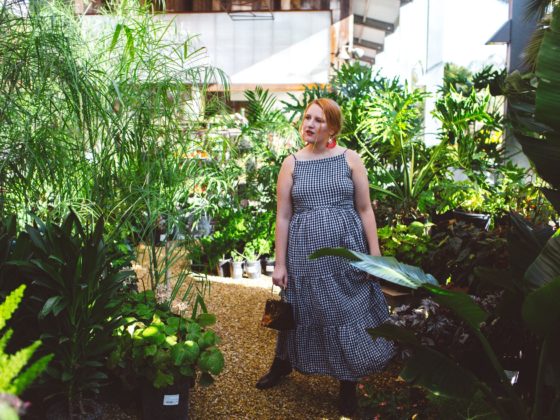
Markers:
508,189
107,123
164,349
256,248
459,116
12,379
407,243
74,303
533,109
453,378
460,247
401,167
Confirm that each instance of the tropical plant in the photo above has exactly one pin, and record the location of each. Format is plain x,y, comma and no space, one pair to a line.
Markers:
461,247
350,86
408,243
401,167
541,12
462,118
162,348
74,303
108,124
533,111
14,380
443,375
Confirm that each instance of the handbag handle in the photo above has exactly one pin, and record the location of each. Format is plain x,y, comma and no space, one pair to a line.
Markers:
281,294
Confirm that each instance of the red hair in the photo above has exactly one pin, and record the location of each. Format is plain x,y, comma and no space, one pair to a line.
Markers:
332,112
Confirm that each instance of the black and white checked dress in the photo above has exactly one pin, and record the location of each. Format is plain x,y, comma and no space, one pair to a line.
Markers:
333,302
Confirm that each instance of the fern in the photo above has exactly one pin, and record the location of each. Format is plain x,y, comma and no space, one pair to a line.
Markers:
12,379
4,340
28,376
10,305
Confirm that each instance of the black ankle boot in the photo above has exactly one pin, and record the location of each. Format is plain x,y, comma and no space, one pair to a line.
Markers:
347,399
278,370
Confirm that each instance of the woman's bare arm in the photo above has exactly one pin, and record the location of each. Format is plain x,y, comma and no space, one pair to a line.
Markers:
283,217
362,201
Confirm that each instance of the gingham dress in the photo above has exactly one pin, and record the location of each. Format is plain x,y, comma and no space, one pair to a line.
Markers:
333,302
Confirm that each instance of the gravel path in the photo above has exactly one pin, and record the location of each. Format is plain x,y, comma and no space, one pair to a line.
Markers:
248,349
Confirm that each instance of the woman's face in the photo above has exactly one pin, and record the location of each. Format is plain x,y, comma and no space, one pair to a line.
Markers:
314,128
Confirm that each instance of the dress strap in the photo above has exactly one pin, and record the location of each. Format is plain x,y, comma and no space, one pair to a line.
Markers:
295,158
344,153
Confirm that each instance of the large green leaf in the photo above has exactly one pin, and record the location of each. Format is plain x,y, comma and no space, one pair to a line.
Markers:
503,279
545,155
524,243
460,303
541,309
395,333
429,368
387,268
548,64
546,266
440,375
553,196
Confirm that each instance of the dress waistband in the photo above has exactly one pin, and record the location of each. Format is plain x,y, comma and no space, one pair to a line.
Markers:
301,210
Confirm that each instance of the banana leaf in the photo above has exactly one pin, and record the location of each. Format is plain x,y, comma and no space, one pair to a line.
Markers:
525,243
541,311
502,279
545,155
546,266
553,196
548,63
429,368
386,268
460,303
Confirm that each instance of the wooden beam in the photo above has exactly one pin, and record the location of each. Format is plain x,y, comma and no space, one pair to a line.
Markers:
374,23
368,44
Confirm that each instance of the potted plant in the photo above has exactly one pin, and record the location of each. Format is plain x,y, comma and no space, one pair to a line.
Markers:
165,355
252,263
75,282
236,264
253,250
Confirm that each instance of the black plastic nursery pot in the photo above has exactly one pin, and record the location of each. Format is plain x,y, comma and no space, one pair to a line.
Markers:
169,403
224,268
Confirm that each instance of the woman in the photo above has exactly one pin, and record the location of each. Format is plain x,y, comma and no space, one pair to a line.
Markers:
323,201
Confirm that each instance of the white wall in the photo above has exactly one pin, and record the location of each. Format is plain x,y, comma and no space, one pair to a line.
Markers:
294,48
431,33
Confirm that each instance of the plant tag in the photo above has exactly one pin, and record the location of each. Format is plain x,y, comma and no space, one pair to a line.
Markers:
251,269
269,268
171,399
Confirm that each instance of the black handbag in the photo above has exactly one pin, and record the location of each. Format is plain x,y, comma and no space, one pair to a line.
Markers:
278,315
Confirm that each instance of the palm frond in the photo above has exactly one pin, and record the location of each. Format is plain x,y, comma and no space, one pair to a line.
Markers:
537,8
